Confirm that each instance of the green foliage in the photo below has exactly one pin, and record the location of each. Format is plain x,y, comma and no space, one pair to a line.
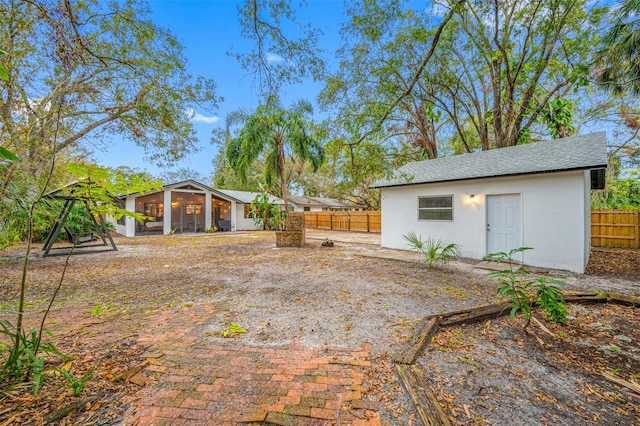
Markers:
616,61
232,330
98,186
270,133
182,174
141,91
3,76
76,384
265,213
558,116
435,251
100,309
23,362
211,230
496,66
620,193
524,292
549,297
14,217
5,154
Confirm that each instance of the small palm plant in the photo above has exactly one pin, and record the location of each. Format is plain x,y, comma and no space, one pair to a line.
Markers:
435,250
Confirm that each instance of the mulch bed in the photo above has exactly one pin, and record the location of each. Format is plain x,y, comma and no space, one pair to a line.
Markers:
492,372
621,263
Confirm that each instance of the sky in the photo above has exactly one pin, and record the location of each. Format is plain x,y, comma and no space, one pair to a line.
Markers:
208,29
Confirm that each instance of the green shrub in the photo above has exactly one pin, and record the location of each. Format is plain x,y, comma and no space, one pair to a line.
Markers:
523,293
76,384
22,361
435,251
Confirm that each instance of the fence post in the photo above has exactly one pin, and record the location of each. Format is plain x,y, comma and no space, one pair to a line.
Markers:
348,222
638,229
331,221
368,226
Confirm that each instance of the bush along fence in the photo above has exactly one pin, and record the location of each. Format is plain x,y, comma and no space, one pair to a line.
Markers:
615,228
366,221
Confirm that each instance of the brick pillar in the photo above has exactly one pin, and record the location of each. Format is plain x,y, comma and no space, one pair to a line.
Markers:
294,234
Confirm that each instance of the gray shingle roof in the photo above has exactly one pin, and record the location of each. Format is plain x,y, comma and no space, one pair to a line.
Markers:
574,153
321,202
247,197
304,201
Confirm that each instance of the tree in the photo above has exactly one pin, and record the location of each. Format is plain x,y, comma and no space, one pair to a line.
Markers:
275,134
78,73
504,62
617,63
90,69
182,174
75,73
278,58
497,67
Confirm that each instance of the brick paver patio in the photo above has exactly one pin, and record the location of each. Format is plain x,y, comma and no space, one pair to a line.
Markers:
199,383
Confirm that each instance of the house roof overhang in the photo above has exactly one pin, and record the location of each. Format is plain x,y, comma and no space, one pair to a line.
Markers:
198,185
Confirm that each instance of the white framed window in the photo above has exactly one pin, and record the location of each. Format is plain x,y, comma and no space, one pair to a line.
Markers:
435,208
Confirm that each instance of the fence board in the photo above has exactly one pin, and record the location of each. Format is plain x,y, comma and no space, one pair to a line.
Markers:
367,221
615,228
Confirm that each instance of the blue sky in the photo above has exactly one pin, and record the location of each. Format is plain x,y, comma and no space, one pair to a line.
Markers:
207,30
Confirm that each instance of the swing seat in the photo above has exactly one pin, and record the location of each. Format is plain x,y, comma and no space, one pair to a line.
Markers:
76,239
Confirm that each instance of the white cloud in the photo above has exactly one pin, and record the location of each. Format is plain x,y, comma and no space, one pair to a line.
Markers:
196,117
274,57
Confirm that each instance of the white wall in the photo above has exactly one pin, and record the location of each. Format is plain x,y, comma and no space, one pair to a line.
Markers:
553,216
243,224
130,223
587,215
298,208
120,229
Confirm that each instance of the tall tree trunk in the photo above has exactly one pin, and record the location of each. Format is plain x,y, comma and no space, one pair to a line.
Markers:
281,171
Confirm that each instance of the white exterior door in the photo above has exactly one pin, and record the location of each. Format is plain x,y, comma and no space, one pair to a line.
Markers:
504,227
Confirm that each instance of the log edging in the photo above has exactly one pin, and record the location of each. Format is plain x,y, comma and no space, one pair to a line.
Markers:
422,396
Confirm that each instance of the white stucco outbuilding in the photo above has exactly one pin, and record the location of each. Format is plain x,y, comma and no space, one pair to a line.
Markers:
535,195
187,206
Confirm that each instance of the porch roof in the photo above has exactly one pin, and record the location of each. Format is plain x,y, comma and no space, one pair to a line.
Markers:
199,187
247,197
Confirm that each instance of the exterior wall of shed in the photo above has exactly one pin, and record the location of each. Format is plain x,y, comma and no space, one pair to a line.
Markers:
555,217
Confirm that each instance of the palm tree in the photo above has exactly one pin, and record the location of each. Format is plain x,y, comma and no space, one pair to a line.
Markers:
618,60
275,133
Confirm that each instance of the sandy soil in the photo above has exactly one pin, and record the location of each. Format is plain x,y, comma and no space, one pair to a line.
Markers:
318,296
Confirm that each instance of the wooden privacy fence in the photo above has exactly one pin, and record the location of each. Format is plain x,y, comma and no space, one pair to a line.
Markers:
369,221
615,228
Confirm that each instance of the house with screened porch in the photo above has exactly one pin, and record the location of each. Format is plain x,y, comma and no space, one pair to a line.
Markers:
187,207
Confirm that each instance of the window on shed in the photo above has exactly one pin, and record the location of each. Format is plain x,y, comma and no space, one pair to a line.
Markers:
247,211
435,208
307,209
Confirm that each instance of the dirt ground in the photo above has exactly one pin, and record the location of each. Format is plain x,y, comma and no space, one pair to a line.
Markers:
316,296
